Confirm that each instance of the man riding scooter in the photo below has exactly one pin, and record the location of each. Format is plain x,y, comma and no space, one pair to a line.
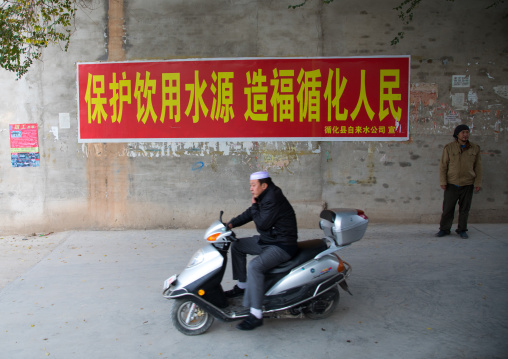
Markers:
275,221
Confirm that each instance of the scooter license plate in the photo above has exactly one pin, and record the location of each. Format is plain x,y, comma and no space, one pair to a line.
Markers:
169,281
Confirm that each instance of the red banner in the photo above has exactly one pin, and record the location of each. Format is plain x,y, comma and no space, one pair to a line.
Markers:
329,99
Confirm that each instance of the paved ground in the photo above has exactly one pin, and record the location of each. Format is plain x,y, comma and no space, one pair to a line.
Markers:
98,295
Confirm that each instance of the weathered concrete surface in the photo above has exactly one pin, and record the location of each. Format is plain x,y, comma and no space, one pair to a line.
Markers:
169,185
19,253
98,294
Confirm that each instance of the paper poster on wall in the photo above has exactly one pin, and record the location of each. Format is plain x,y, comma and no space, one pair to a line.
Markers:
461,81
254,99
24,145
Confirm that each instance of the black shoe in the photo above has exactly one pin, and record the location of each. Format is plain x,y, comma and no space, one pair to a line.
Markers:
462,234
250,323
235,292
442,233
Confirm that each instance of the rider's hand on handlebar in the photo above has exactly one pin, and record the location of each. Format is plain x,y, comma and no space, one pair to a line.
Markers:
232,237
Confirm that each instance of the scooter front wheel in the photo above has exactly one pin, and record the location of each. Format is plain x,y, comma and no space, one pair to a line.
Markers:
189,318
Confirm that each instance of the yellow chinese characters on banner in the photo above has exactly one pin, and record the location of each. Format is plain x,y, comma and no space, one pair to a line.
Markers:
332,99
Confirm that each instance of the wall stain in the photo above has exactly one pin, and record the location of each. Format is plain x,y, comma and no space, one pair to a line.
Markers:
108,184
370,178
107,166
276,156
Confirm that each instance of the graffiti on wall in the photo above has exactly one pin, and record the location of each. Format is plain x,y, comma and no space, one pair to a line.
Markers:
275,156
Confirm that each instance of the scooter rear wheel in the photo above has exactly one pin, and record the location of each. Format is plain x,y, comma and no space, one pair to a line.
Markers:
189,318
323,306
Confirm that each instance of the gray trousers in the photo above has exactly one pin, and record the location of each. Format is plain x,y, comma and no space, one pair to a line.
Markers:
268,256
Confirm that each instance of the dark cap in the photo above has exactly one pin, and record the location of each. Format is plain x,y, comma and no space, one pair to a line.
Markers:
459,129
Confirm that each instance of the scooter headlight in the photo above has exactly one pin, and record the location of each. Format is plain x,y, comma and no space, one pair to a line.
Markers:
196,259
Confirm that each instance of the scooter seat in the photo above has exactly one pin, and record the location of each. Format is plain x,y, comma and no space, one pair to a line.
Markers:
306,251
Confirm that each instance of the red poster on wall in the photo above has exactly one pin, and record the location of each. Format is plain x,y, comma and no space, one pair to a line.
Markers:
261,99
24,145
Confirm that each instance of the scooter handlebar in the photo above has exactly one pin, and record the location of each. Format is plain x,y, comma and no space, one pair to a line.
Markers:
232,237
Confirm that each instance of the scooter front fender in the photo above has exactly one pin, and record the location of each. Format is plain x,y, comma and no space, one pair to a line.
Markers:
212,309
209,261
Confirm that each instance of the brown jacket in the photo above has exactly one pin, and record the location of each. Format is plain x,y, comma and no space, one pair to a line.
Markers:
459,166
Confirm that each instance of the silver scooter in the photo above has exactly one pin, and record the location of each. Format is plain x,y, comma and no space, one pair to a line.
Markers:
305,286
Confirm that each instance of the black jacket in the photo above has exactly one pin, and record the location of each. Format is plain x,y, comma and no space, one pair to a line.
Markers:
274,217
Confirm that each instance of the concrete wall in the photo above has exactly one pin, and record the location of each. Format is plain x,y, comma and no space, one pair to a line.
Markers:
152,185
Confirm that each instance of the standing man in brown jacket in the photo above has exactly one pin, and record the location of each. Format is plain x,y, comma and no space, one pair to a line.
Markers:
460,174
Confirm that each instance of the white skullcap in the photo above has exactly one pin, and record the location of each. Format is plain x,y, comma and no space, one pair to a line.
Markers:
259,175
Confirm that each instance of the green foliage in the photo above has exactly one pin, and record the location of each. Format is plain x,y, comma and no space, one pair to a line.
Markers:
305,1
406,11
29,26
495,3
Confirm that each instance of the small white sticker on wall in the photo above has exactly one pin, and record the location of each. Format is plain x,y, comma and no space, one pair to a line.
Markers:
501,91
458,101
451,118
54,131
65,120
472,96
461,81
